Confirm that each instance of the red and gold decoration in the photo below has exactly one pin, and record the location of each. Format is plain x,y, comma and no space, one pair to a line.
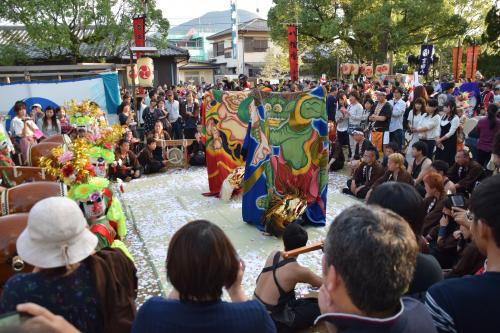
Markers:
72,166
84,113
282,212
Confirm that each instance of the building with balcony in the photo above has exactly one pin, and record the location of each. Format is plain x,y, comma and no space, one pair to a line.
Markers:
253,43
193,37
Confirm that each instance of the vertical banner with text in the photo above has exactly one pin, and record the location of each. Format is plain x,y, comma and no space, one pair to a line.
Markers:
139,37
425,59
457,62
293,53
139,34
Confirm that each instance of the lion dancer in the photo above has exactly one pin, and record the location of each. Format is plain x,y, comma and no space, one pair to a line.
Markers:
104,214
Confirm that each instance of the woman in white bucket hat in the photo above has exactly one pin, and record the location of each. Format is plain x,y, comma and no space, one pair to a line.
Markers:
69,279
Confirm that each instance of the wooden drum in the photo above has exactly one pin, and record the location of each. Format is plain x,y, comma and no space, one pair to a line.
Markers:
62,139
20,199
11,227
40,150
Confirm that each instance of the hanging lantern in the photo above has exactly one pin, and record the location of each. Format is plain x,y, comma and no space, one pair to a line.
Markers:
145,69
362,69
369,71
346,69
129,75
382,69
354,69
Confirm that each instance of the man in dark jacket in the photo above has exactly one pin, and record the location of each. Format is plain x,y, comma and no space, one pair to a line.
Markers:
365,175
359,148
331,103
363,284
465,173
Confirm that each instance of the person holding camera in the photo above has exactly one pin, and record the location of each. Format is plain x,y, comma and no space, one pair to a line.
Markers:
447,240
470,303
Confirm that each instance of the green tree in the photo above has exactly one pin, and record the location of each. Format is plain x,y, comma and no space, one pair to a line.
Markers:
372,29
277,65
489,58
492,31
61,28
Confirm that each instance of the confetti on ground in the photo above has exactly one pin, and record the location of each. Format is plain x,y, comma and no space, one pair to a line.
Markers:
157,206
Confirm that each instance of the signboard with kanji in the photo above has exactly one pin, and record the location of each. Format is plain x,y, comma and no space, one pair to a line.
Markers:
293,53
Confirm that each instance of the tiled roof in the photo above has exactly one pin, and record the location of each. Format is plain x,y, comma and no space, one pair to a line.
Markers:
254,25
17,35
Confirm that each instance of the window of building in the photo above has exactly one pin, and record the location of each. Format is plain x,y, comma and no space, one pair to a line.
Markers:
247,44
218,49
227,54
260,45
253,72
255,45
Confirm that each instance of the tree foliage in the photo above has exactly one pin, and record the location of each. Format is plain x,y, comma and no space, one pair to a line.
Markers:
374,28
60,28
492,32
276,65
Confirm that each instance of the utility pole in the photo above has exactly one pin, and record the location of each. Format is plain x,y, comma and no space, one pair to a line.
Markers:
234,36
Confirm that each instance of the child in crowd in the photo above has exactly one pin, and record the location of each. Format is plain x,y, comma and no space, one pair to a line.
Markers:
5,160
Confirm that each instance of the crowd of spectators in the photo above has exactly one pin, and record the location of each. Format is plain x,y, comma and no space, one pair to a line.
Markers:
419,253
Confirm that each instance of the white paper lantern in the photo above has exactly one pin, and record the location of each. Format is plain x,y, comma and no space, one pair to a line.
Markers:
369,71
146,71
382,69
346,69
354,69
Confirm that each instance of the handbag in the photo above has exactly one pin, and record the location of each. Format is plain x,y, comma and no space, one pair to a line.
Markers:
38,134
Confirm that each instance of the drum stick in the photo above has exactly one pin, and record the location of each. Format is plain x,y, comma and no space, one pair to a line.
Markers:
303,249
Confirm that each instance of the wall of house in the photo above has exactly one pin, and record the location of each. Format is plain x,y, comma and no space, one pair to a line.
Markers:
255,57
197,75
165,71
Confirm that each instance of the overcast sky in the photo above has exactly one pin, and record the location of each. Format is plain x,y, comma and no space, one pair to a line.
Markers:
179,12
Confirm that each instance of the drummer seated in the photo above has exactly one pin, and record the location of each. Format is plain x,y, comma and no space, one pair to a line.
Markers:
148,161
275,287
391,148
360,146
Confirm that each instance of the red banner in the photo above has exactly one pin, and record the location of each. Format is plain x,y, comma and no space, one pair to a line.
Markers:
468,62
475,54
139,33
292,53
457,63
